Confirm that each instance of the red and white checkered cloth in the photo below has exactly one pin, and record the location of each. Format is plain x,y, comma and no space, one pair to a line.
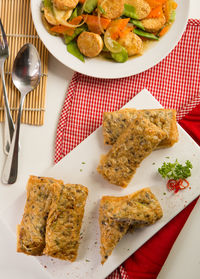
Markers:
174,82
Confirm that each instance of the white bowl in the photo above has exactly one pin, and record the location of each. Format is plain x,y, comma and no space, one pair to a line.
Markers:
103,68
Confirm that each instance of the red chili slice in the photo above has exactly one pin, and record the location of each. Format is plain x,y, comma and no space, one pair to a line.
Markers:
176,185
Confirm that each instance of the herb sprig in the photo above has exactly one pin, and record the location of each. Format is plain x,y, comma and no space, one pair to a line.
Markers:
175,170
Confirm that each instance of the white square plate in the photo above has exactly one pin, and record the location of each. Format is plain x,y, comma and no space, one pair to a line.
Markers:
72,170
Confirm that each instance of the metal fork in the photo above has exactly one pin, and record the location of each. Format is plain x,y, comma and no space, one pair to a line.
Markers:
9,125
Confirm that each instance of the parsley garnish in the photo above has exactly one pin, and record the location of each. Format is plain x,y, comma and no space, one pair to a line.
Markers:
175,170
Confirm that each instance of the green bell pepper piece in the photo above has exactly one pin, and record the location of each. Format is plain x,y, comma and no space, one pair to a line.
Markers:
89,6
137,23
74,50
121,56
130,11
145,34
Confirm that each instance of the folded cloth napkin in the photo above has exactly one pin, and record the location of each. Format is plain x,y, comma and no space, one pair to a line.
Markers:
174,82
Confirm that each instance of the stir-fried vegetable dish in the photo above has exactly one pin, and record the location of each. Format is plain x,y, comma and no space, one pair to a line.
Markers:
117,28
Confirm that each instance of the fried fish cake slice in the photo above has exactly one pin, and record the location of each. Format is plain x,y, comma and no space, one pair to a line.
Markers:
64,221
118,215
153,24
138,209
132,146
142,8
31,231
113,8
90,44
115,122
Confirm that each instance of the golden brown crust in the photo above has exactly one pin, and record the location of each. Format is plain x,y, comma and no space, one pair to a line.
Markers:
31,231
132,146
64,221
138,209
118,215
115,122
113,8
111,232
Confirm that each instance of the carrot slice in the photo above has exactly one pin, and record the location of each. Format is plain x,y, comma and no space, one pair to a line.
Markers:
164,31
61,29
156,12
82,1
117,26
155,3
93,23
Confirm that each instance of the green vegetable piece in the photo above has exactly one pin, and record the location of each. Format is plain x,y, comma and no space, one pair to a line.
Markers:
137,23
47,4
172,16
130,11
74,50
89,6
77,31
175,170
74,13
145,34
102,11
121,56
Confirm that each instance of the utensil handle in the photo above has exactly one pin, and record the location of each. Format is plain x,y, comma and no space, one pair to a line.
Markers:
9,125
10,171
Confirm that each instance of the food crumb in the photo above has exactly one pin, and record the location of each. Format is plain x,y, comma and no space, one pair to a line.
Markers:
167,157
87,260
81,169
153,163
45,266
164,194
95,242
83,163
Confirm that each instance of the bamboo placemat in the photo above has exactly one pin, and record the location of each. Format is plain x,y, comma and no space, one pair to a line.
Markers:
18,25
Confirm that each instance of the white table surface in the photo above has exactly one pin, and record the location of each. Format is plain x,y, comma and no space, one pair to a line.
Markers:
36,155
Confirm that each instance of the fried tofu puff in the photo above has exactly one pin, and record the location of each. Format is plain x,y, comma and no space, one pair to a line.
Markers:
142,8
132,43
153,24
65,4
90,44
113,8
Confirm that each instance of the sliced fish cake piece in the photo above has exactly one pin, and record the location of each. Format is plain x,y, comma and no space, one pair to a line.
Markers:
118,215
64,221
131,147
111,232
138,209
115,122
31,231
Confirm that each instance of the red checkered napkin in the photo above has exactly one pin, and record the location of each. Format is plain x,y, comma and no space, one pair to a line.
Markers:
174,82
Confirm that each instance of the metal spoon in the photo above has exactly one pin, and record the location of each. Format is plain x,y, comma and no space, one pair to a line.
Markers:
26,75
